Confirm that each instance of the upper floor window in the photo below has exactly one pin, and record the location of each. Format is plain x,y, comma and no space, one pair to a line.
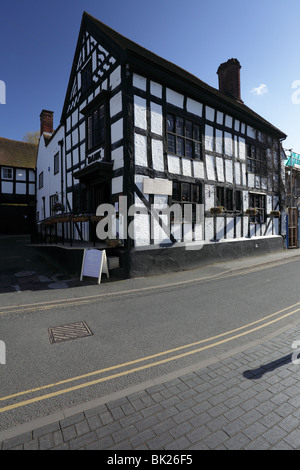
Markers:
41,180
256,160
7,173
56,163
86,77
184,137
20,174
95,128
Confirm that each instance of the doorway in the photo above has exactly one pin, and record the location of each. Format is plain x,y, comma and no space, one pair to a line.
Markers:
100,194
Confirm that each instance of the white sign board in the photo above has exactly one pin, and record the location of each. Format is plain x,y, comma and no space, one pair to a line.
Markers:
151,186
94,263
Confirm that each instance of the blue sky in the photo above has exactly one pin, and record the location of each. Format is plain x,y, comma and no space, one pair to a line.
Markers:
38,40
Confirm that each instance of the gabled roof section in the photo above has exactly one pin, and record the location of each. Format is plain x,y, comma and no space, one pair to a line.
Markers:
17,154
94,45
128,50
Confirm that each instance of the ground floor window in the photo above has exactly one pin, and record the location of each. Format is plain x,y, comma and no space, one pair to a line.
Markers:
187,194
53,202
258,202
229,198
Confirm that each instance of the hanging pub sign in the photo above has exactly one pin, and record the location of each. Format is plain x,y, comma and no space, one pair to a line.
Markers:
94,263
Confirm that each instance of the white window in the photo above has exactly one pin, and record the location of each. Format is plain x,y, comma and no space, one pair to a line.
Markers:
20,174
7,187
7,173
20,188
31,176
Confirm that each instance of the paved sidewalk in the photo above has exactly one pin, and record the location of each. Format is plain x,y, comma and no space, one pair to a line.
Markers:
22,269
249,400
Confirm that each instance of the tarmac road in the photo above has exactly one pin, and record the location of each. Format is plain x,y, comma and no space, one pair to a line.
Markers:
171,399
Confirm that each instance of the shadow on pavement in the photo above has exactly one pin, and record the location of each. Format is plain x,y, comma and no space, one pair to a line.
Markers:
21,268
255,374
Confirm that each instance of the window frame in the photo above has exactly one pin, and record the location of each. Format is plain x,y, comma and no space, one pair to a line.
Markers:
87,77
95,124
256,160
41,180
56,164
229,198
188,135
194,198
52,201
10,178
259,202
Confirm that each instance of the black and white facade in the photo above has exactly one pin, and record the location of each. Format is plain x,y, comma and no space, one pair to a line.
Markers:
134,125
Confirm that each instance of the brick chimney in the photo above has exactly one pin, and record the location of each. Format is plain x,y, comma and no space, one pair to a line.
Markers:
46,118
229,79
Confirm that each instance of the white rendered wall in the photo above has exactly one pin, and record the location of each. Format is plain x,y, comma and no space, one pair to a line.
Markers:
45,164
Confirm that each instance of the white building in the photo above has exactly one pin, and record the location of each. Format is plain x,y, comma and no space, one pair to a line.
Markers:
138,127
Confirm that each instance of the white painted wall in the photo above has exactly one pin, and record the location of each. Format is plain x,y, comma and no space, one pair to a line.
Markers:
45,164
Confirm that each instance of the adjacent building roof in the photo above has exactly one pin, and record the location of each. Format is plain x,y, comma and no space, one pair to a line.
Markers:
14,153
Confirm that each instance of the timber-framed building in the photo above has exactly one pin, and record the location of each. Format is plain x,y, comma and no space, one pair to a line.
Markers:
17,186
137,126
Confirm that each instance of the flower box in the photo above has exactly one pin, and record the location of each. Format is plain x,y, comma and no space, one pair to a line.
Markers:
251,211
80,218
275,213
217,210
112,242
58,206
96,218
64,218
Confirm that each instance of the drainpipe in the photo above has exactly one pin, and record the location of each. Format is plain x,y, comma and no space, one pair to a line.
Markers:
61,144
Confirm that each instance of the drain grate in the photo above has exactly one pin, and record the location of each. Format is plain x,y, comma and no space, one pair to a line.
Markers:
67,332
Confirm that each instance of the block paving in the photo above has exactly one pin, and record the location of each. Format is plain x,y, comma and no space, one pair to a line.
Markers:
249,401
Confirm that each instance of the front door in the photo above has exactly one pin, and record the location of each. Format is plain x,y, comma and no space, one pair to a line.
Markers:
99,194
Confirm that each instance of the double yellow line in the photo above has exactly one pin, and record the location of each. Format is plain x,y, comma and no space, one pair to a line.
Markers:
174,354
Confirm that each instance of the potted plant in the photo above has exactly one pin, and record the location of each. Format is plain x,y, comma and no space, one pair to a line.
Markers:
113,242
58,207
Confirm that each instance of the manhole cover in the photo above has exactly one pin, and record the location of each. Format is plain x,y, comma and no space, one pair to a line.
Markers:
67,332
